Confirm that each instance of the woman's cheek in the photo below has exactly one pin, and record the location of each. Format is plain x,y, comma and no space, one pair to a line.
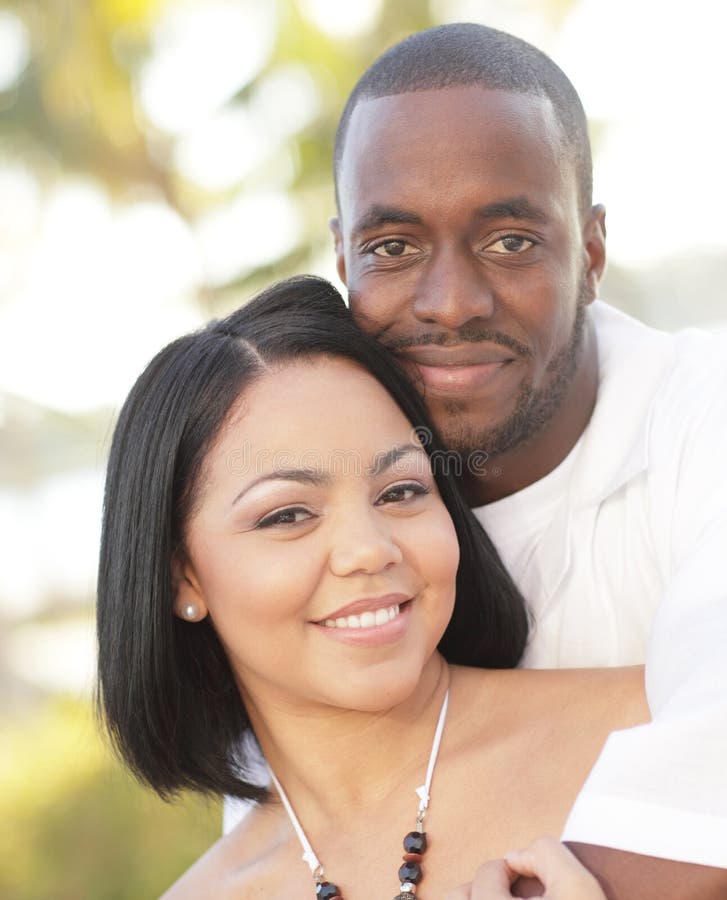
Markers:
440,551
267,581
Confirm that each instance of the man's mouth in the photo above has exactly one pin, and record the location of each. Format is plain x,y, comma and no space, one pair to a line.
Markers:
459,371
457,356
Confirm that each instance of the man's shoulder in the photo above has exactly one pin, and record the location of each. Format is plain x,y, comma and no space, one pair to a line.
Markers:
686,366
660,394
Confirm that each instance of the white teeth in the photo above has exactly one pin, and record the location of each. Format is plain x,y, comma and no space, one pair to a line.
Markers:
367,619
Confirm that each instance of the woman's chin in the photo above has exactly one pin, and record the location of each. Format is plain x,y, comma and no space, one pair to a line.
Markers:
385,686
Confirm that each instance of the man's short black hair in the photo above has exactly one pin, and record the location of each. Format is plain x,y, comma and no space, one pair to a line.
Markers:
465,54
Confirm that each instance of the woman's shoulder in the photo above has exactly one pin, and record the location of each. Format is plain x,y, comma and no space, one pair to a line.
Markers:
239,864
612,698
616,693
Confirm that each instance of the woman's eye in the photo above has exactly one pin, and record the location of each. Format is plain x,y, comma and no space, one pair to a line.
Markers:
512,244
400,493
293,515
393,248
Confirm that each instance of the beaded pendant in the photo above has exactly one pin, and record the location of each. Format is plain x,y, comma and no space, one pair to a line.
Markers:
410,872
327,891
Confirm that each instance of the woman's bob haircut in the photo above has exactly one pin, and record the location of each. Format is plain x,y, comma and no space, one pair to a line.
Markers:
166,689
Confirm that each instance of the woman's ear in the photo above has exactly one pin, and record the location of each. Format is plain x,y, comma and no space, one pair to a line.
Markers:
188,600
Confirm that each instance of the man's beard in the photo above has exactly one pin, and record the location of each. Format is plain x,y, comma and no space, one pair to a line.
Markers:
534,408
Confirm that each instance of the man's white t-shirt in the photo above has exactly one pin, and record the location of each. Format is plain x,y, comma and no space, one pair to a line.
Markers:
621,553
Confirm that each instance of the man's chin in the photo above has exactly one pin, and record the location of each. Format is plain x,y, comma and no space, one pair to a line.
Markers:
480,431
475,440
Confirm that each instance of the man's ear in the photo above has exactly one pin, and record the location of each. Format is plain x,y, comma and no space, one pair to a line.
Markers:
594,248
335,226
189,601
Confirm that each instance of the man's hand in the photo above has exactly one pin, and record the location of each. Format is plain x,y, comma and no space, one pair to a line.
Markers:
629,876
548,861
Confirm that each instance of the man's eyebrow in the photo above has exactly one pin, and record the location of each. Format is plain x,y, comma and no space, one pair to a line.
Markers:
388,458
378,215
305,476
513,208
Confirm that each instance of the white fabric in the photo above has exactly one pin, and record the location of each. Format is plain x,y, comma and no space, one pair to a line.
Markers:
621,553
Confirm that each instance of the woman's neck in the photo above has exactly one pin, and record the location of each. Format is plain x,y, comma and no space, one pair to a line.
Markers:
330,760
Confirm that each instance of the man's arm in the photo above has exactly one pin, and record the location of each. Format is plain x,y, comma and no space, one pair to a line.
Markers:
660,790
629,876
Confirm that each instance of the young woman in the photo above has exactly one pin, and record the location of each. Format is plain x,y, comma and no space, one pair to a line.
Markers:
282,549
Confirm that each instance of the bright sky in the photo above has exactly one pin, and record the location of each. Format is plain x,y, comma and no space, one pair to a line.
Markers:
653,73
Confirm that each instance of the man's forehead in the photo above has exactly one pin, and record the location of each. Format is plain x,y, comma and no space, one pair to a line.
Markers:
435,112
449,135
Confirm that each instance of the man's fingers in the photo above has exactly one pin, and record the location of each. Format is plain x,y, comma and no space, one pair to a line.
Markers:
492,881
546,860
556,867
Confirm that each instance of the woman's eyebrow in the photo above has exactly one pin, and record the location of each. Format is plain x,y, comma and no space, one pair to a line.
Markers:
317,477
306,475
387,458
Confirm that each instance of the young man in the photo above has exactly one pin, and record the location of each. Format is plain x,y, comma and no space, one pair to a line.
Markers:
592,447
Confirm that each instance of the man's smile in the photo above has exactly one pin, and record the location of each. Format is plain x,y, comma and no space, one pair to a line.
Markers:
461,355
459,371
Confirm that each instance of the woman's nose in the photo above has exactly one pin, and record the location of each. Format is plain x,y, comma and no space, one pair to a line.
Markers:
365,546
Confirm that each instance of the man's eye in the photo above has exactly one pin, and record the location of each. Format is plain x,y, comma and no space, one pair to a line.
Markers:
512,244
400,493
293,515
393,248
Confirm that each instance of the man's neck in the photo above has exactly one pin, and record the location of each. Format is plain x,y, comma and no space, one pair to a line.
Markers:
537,457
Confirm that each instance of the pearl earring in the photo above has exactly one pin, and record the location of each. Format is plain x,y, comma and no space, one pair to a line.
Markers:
190,611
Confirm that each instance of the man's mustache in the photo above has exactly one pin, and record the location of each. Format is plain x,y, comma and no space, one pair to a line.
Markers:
462,336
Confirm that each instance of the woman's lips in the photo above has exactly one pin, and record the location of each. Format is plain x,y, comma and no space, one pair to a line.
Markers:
367,604
369,635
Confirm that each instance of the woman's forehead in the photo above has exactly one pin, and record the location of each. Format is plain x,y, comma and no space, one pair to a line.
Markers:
317,405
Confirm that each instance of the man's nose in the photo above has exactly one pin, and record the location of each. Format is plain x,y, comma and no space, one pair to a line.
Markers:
453,289
363,544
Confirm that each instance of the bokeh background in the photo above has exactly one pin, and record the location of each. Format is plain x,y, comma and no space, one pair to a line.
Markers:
161,160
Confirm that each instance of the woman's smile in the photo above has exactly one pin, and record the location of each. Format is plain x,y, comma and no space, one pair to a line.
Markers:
369,629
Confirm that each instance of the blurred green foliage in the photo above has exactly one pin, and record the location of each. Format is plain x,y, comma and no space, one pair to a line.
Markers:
77,827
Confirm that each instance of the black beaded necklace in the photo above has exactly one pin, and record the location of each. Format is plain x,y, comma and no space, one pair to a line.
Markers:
415,843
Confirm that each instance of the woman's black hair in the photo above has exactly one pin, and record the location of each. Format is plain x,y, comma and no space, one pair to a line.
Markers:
166,689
